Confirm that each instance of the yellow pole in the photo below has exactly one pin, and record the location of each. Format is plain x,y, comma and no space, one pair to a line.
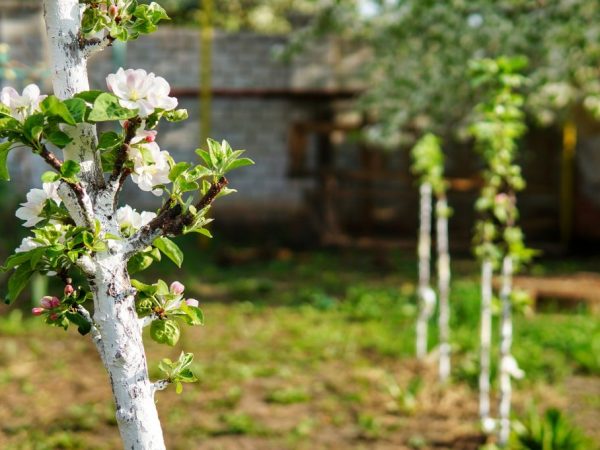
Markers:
567,182
206,43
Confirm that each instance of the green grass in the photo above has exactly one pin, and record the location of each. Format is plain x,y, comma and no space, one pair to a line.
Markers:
291,346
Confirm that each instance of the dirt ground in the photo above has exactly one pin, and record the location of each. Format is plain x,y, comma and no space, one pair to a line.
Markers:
55,395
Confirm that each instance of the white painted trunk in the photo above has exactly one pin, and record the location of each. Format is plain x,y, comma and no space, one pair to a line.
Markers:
443,266
124,356
424,253
69,76
506,335
118,336
486,339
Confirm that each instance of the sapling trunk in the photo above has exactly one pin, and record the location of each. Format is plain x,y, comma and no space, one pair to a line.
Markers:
443,266
424,252
486,338
120,345
506,333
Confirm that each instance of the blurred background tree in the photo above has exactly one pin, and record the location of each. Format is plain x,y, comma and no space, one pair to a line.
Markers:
267,16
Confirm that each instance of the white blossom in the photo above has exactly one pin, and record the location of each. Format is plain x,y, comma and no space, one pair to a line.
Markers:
129,219
31,210
150,166
28,243
22,106
142,91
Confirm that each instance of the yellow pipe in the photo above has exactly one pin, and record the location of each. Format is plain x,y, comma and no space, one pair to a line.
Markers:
206,43
567,182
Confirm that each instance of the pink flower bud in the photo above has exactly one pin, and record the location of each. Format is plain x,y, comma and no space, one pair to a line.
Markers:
37,311
50,302
192,302
150,138
53,316
69,289
113,11
501,198
177,288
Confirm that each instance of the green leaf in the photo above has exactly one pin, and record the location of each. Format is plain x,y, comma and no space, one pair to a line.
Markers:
4,150
169,249
50,177
77,108
52,106
89,96
107,107
178,169
236,164
139,262
59,138
194,315
109,140
70,169
18,281
33,127
83,326
176,116
165,331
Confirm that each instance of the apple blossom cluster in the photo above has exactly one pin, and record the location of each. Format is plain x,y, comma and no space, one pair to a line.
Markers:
141,91
145,93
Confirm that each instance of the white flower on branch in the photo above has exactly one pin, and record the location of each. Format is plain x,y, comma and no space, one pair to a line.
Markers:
31,210
130,220
150,167
27,244
22,106
142,91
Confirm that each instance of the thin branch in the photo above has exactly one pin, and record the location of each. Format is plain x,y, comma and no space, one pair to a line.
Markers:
171,221
120,172
73,190
94,45
94,332
159,385
146,321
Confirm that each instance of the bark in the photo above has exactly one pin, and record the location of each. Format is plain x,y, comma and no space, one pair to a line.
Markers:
486,339
424,253
506,335
116,332
443,266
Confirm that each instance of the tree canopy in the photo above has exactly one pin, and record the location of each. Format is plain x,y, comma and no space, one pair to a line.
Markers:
418,77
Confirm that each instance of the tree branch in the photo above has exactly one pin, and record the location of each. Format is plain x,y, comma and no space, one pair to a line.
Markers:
94,332
90,46
159,385
171,221
76,190
120,173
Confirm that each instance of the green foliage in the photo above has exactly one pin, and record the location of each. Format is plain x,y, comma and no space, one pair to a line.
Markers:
125,20
59,248
550,431
498,124
428,163
179,371
164,307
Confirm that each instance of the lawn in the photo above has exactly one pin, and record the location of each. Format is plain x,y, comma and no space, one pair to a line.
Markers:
301,350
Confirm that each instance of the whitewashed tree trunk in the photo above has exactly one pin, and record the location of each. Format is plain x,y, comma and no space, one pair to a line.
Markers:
506,335
424,253
443,266
117,332
486,339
